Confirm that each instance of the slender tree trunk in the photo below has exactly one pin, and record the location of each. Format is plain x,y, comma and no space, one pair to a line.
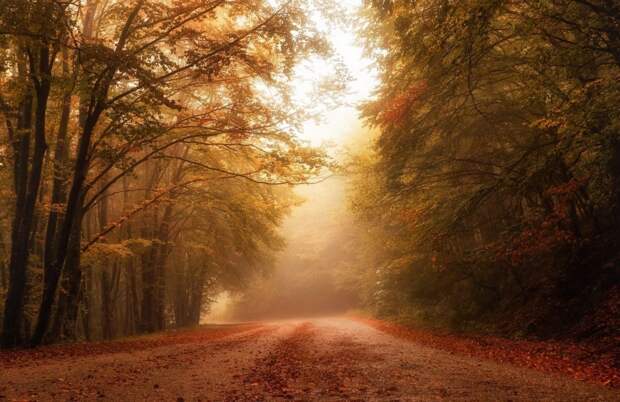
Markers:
87,292
147,323
74,275
14,304
59,186
147,315
27,185
59,197
105,279
160,267
614,168
65,320
135,300
74,201
107,307
181,292
4,253
197,296
132,307
3,275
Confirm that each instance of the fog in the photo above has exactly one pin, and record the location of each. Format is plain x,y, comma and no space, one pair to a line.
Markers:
309,277
312,275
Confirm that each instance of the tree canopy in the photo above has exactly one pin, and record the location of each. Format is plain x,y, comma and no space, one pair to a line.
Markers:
137,133
494,179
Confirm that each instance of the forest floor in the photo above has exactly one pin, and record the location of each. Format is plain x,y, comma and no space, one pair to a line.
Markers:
314,359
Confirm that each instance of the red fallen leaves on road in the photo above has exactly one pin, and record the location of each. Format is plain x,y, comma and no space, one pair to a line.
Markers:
25,357
580,361
297,368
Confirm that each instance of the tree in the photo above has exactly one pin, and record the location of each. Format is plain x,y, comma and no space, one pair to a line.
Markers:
153,103
494,156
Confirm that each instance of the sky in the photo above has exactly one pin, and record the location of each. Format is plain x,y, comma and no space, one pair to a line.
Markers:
338,124
315,231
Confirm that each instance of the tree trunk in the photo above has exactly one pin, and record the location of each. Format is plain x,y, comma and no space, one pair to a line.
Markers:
197,290
27,184
160,267
95,109
107,309
148,231
65,320
59,197
135,300
148,318
14,304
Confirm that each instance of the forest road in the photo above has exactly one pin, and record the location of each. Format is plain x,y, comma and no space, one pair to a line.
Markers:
316,359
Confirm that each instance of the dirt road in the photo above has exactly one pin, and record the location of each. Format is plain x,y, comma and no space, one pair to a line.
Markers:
319,359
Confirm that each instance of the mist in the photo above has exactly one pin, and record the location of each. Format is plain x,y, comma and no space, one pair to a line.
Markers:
309,277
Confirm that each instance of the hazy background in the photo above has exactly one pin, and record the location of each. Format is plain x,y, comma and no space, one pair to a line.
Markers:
308,278
312,275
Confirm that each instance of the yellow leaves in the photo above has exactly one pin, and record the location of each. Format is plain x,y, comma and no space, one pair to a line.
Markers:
137,246
100,254
547,123
402,263
201,248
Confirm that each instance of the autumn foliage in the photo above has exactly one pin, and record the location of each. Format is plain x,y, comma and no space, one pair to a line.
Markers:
489,201
147,155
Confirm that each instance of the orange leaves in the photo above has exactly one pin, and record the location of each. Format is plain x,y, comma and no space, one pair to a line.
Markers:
398,107
411,216
543,236
56,353
567,189
537,241
580,361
